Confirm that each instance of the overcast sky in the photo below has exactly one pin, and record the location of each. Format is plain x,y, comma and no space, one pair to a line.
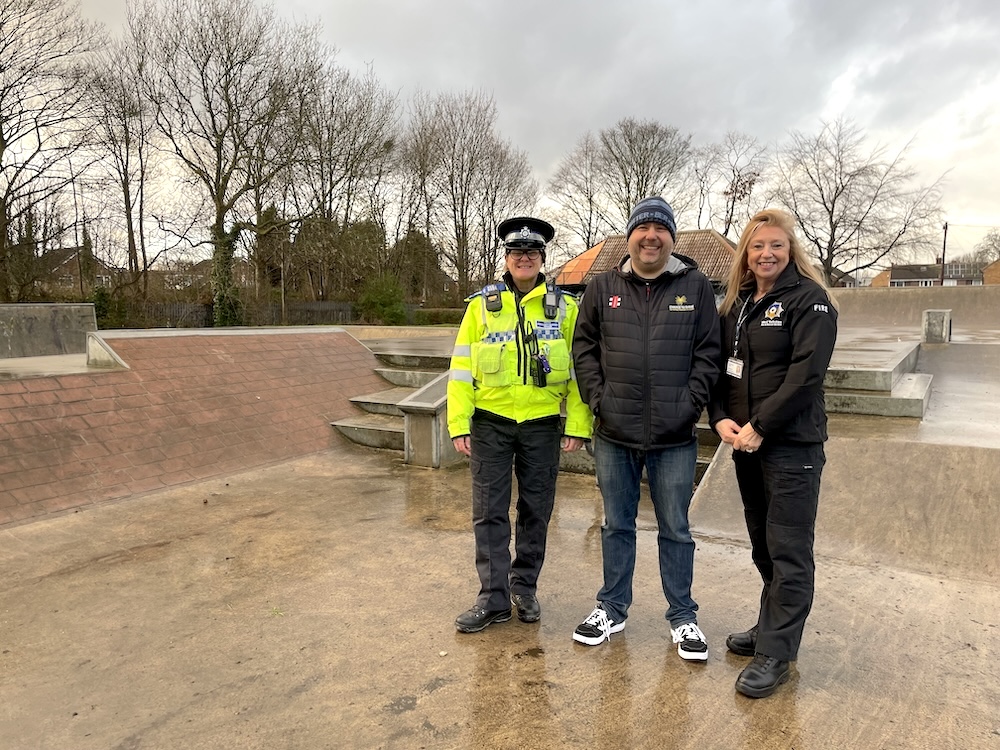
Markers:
901,69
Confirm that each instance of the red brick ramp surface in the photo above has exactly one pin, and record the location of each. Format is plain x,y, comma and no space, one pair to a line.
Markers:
192,406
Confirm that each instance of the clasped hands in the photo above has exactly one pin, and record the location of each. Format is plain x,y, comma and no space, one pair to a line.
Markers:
743,438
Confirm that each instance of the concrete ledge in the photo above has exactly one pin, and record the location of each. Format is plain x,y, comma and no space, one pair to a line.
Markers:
908,398
40,330
895,361
407,378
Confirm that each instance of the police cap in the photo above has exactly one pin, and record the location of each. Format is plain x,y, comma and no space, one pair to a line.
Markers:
525,232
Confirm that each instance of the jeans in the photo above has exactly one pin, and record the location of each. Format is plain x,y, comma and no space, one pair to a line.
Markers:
532,449
780,489
671,483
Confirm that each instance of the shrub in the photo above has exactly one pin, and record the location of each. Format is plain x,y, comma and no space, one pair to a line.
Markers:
437,316
382,302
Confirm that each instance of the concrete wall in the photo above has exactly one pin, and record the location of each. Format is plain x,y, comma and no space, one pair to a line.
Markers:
45,329
971,306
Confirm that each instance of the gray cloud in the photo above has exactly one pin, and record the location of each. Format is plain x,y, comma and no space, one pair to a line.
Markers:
562,67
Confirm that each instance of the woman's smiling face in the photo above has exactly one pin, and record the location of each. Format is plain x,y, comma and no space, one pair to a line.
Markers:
768,255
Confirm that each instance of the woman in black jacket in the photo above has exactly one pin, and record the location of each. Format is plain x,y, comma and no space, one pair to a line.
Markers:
779,326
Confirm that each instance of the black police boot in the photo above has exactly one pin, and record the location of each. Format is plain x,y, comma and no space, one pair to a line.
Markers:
762,676
477,619
745,643
528,609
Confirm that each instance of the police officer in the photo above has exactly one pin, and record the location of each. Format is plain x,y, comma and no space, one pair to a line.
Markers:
511,372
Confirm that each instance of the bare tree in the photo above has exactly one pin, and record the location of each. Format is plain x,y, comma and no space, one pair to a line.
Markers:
122,135
474,176
507,190
351,131
743,162
643,158
220,79
419,160
705,165
855,204
43,50
599,182
577,187
987,250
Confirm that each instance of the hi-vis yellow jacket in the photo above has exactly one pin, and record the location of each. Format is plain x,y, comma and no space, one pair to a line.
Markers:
491,365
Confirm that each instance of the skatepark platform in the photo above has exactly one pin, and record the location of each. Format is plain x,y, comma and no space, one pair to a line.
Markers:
293,590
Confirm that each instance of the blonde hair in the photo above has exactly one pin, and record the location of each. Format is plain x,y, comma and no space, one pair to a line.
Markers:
739,271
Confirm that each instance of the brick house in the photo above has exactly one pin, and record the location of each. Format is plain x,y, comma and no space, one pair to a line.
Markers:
929,274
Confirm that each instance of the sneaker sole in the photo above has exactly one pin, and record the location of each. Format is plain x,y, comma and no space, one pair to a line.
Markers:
692,655
466,629
588,641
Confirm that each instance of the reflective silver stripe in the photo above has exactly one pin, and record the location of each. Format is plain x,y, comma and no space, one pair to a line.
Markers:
462,376
463,350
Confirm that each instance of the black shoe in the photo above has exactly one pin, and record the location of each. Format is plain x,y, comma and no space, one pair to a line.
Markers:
762,676
527,607
744,644
477,619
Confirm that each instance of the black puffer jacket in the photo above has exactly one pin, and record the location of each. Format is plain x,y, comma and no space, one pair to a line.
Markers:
785,344
646,353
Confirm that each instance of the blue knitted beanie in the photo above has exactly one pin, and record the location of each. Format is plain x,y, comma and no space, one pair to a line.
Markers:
653,209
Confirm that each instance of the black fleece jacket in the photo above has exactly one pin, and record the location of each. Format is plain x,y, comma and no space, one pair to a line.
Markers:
785,345
646,353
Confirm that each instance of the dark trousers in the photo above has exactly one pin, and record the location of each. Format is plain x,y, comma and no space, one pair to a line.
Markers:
532,449
780,489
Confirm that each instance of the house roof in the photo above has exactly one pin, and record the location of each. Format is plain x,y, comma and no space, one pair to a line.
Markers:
710,250
59,258
918,271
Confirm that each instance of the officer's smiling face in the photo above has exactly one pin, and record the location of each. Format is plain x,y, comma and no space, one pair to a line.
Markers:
523,268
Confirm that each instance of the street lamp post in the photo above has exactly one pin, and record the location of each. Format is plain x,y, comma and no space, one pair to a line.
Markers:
944,245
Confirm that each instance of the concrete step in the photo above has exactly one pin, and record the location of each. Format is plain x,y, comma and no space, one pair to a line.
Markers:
871,368
908,398
407,378
436,362
373,430
383,402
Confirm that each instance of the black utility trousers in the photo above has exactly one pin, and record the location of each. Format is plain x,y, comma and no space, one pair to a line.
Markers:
532,450
779,484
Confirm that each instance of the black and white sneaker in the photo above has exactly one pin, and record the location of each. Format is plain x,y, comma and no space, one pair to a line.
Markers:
691,643
597,628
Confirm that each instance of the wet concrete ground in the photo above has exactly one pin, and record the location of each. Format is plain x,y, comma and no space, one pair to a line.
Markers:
310,605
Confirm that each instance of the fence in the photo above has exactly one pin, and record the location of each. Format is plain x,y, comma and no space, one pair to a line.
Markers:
132,314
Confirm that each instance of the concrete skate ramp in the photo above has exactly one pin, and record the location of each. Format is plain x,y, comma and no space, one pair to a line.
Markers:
973,307
45,330
920,494
193,404
924,507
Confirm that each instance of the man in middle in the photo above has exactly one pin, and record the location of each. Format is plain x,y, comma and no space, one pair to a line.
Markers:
646,350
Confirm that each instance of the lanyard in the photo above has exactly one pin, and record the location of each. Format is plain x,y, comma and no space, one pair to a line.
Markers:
740,320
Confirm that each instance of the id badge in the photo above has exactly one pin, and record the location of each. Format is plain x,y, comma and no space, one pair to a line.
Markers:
734,368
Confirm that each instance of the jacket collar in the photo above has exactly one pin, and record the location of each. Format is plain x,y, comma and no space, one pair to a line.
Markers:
676,265
508,281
